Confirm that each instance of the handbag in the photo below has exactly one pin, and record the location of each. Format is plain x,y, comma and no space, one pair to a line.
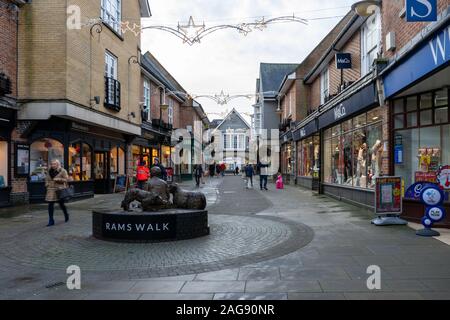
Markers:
65,194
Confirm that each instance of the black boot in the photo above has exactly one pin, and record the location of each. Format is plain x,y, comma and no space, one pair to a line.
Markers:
51,221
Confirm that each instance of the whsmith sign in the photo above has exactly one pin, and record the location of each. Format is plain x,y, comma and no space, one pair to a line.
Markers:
421,10
343,61
431,55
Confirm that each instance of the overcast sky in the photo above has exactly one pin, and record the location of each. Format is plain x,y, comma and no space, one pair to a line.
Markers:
226,60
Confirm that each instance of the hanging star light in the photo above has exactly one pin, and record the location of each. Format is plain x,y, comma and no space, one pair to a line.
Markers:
191,31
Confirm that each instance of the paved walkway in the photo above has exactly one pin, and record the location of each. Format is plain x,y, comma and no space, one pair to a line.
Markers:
286,244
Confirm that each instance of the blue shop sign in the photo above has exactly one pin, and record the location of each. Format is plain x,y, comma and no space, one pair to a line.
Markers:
362,99
430,56
421,10
306,130
343,61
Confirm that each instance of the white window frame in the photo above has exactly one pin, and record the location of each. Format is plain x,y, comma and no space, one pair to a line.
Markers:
111,65
111,13
370,42
324,85
147,98
170,112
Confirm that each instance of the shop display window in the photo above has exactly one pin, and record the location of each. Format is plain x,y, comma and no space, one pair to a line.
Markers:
42,152
117,162
3,164
309,157
353,155
80,159
426,146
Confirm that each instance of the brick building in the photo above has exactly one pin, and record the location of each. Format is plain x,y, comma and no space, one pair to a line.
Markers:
9,20
78,87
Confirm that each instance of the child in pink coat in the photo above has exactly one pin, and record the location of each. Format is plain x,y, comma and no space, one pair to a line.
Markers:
279,183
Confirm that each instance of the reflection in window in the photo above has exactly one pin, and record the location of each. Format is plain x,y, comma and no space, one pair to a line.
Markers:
42,152
3,164
80,158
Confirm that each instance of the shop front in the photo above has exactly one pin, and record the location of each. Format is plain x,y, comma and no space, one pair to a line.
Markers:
92,156
307,139
418,90
7,118
287,158
355,139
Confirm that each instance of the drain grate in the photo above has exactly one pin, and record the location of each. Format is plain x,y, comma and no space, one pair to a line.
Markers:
54,285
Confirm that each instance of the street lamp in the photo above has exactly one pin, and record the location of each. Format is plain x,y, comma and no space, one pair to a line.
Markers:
366,8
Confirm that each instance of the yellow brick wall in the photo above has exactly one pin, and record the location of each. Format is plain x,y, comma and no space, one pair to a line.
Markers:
42,50
57,63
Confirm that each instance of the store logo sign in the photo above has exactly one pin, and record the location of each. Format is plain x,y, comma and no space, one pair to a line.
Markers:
339,112
421,10
302,132
343,61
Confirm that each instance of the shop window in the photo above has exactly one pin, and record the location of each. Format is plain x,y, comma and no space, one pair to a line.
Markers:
80,159
3,164
117,162
353,157
42,152
424,150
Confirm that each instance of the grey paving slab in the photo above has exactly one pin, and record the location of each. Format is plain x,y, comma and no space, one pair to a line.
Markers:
405,285
308,273
249,296
268,273
436,295
108,286
154,286
316,296
358,272
188,277
437,284
213,286
230,274
384,296
346,286
419,272
282,286
112,296
179,296
379,260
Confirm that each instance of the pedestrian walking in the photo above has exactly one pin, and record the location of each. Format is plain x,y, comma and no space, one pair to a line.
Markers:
237,171
55,180
279,183
263,175
198,174
156,163
249,172
142,174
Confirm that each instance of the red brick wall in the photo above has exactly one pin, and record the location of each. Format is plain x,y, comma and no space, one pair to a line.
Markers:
8,44
314,94
353,46
404,31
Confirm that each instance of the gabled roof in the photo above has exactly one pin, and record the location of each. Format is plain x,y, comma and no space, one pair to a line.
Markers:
272,74
215,123
234,111
151,65
145,9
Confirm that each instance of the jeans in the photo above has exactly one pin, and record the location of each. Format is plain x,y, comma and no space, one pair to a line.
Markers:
263,182
141,184
197,180
51,210
251,179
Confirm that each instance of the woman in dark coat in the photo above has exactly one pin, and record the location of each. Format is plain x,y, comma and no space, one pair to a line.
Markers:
55,180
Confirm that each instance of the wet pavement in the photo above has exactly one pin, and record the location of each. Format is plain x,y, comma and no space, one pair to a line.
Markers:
276,244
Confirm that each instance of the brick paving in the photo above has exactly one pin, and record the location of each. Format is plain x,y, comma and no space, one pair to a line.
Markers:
288,244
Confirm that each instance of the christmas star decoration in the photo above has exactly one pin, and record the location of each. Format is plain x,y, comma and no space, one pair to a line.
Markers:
191,31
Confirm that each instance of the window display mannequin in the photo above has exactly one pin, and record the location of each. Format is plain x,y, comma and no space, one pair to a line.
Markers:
377,153
361,178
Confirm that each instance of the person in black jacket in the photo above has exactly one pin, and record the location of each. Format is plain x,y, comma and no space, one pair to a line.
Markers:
156,163
198,174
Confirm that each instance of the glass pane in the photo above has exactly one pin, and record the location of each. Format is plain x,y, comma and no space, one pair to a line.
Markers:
86,163
327,154
347,125
360,160
121,159
327,134
347,164
336,167
411,104
399,106
375,115
336,130
41,154
441,98
426,118
441,115
399,121
411,119
375,154
359,121
99,169
3,164
75,162
426,101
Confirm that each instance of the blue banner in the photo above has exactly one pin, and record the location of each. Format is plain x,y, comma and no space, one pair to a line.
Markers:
430,56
